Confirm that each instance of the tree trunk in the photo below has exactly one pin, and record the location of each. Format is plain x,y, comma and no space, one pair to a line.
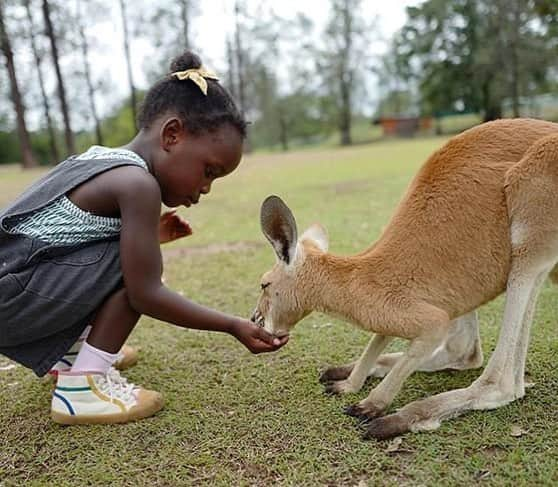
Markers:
345,76
133,101
89,82
68,134
345,112
230,66
239,60
240,72
283,130
54,155
514,55
492,109
25,142
185,7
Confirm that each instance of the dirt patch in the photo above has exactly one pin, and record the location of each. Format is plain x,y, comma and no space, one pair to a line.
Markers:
177,253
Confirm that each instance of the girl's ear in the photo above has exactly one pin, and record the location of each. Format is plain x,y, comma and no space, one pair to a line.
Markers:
279,227
172,131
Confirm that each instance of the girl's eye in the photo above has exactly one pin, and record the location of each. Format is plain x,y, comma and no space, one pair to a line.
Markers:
209,174
264,285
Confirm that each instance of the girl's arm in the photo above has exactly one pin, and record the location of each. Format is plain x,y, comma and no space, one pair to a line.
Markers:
139,199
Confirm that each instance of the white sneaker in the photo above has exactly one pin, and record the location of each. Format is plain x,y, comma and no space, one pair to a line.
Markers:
89,398
127,357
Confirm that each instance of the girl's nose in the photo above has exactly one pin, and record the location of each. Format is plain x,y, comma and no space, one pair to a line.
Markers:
206,189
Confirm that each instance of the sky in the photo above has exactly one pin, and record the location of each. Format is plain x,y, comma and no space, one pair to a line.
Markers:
209,30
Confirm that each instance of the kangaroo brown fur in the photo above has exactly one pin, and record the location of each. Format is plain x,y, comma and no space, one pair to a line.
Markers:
480,217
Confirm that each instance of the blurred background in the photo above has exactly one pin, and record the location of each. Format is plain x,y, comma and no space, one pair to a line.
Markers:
305,73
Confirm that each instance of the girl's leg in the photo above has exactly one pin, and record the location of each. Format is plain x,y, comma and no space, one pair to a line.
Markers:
66,362
127,356
94,392
113,323
109,330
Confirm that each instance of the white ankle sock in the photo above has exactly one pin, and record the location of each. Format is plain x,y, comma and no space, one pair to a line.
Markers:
85,333
91,359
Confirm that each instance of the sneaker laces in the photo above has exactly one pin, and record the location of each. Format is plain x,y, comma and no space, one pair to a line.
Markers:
115,386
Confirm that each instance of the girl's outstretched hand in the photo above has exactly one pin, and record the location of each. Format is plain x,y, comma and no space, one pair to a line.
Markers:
172,227
256,339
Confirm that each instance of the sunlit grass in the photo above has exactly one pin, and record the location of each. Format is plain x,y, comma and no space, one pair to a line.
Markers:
236,419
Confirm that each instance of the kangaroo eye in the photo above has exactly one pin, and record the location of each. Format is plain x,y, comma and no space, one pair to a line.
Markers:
265,284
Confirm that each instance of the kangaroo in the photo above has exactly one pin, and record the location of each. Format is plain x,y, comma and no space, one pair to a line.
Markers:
479,218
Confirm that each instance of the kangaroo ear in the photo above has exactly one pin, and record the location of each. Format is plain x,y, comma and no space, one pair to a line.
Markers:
317,234
279,227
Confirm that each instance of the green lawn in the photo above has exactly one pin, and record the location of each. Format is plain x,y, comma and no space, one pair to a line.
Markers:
236,419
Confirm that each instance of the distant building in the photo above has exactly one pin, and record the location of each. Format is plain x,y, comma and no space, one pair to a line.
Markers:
403,126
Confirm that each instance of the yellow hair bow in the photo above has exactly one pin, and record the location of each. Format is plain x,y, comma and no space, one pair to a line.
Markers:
198,76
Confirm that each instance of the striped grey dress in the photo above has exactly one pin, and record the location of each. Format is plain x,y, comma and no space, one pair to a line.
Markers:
58,263
61,222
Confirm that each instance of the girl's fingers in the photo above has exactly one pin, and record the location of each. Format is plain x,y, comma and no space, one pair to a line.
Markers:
167,215
264,336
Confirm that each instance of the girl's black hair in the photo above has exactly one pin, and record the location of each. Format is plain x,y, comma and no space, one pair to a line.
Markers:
199,113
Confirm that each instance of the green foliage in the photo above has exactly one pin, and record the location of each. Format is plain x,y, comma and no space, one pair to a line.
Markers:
118,129
296,119
40,144
470,55
493,58
10,148
396,102
301,103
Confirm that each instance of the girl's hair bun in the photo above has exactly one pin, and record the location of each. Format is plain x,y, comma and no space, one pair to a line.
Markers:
186,60
198,111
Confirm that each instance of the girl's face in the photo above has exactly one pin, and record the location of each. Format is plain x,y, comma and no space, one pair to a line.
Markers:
190,163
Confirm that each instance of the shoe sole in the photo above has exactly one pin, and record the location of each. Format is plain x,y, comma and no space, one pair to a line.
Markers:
136,413
126,363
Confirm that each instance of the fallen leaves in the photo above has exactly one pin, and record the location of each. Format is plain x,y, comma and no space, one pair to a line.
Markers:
394,446
517,431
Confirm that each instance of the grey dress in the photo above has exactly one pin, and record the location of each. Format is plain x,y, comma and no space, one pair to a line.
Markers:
48,292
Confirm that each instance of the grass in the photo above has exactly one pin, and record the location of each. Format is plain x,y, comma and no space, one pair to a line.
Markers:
236,419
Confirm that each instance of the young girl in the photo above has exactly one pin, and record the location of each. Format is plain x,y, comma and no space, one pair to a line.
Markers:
80,257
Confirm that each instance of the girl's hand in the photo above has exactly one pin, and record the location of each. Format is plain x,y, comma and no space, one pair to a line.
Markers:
172,227
256,339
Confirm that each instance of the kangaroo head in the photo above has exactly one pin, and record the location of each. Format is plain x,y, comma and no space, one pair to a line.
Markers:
284,299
